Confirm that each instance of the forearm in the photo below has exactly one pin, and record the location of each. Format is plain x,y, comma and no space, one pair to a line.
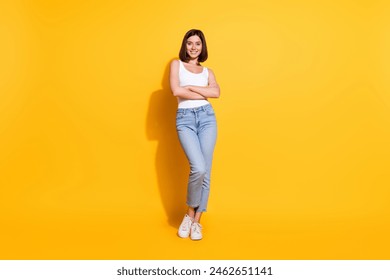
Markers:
186,93
206,92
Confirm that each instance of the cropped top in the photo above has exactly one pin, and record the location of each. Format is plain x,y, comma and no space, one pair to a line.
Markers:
187,78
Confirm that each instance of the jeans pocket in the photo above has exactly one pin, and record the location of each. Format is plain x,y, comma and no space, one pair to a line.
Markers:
210,111
179,115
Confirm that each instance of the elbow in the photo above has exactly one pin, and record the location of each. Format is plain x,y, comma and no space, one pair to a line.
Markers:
213,92
175,93
217,93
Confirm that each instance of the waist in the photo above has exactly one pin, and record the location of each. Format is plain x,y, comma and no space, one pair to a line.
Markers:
192,103
195,109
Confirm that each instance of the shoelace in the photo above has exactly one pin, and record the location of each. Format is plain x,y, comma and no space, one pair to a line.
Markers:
197,227
187,224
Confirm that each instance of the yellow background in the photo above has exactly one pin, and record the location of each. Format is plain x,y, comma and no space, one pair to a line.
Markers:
90,164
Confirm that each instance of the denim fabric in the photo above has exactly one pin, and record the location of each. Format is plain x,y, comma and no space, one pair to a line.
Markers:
197,131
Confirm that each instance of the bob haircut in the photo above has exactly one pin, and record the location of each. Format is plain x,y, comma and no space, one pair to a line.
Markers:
183,50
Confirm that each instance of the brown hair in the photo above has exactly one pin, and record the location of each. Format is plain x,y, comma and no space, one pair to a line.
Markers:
183,50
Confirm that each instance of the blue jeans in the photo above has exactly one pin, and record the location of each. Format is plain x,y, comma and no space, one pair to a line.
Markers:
197,131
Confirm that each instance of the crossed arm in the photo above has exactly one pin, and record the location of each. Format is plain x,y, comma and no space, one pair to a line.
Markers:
192,92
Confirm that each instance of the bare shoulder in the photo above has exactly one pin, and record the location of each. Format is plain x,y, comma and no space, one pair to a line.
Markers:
175,63
211,71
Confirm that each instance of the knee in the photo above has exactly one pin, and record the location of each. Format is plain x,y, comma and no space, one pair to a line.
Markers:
199,171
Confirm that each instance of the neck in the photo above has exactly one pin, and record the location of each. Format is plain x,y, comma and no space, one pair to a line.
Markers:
194,61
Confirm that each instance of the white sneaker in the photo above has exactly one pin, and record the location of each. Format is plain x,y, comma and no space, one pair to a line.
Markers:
185,227
196,231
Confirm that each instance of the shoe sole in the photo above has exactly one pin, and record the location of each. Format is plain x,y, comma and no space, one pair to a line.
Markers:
196,239
182,236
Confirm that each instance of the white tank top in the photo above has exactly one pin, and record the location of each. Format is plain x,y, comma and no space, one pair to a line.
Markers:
187,78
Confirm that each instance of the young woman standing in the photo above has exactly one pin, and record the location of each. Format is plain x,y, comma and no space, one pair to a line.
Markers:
196,125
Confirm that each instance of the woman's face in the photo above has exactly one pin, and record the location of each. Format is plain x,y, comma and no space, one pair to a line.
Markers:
194,46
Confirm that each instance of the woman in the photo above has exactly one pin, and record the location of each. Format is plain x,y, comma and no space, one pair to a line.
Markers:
196,125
